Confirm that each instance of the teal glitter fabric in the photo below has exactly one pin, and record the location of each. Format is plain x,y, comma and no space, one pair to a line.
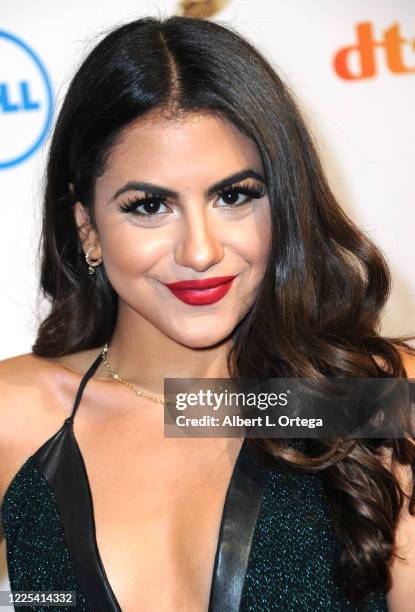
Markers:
291,565
37,556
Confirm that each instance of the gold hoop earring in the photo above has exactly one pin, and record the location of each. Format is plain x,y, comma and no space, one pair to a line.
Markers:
92,263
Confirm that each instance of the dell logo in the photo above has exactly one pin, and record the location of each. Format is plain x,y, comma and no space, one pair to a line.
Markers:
26,101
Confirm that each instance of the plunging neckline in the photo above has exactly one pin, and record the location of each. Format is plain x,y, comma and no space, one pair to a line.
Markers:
98,556
62,464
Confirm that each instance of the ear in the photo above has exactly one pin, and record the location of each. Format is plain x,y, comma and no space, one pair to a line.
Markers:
87,234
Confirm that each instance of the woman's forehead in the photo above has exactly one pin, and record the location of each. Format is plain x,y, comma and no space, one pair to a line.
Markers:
194,145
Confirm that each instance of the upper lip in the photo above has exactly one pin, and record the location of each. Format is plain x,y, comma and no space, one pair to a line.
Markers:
203,283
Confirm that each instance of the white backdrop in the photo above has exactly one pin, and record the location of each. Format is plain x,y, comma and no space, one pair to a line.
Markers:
364,126
360,109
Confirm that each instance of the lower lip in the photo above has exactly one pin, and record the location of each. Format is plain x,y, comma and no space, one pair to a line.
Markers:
199,297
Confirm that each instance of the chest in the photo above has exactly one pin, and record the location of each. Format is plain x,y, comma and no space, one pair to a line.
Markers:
157,514
276,544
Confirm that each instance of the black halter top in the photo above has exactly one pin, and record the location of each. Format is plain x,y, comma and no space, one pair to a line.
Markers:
276,547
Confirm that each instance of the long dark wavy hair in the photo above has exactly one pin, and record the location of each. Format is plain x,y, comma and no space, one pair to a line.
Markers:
317,312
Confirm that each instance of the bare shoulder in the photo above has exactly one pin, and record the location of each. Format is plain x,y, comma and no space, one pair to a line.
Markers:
409,362
36,395
408,359
25,385
34,388
25,382
20,389
402,593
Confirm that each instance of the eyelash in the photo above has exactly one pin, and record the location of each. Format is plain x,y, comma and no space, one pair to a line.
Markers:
131,205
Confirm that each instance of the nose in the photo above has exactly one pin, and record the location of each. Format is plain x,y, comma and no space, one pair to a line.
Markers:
199,245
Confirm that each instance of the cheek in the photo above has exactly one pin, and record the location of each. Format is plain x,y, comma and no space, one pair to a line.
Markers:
129,250
252,239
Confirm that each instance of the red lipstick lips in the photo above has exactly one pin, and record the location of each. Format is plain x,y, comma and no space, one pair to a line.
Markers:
203,291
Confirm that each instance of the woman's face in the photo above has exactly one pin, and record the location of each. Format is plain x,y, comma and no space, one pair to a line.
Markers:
196,231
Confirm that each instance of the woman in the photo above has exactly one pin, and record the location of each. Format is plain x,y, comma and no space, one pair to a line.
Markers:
179,155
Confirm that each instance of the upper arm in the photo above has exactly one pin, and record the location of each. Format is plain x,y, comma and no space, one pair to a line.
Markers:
6,427
35,396
21,413
10,425
401,596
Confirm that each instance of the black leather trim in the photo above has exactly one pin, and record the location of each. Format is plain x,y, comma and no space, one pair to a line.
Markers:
60,461
242,505
90,371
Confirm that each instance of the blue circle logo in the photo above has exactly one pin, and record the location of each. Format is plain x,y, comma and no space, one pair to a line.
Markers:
26,101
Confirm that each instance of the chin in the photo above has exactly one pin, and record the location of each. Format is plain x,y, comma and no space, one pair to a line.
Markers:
200,343
202,340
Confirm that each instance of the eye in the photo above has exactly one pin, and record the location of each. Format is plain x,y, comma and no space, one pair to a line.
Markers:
231,195
150,203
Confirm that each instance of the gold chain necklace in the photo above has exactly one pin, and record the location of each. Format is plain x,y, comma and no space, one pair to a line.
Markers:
113,374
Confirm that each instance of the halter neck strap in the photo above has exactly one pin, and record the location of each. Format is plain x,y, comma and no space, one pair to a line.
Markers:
92,368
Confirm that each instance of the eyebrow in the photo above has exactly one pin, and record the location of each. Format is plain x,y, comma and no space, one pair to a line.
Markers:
163,191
